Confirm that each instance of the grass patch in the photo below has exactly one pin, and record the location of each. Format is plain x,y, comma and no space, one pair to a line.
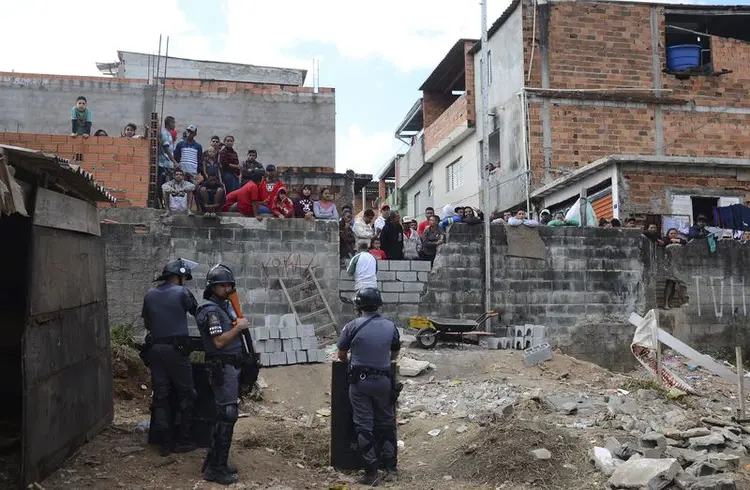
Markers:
123,335
632,384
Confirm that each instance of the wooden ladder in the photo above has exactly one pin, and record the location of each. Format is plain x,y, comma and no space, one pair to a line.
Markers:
308,280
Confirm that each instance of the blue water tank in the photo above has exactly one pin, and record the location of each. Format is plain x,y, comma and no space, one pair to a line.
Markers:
683,57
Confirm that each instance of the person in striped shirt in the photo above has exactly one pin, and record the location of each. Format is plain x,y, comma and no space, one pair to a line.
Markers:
188,153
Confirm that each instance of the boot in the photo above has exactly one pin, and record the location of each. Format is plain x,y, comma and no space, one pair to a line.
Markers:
219,475
391,474
183,443
371,477
217,470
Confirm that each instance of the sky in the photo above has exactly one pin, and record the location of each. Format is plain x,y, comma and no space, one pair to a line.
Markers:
376,54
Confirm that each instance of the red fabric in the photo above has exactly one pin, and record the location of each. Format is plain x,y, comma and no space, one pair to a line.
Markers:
269,197
283,207
422,227
378,254
244,197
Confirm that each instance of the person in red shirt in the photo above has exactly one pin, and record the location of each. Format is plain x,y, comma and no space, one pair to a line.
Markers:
244,200
424,224
282,207
375,250
269,188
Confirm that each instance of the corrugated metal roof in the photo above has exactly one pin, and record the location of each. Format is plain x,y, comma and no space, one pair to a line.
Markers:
73,176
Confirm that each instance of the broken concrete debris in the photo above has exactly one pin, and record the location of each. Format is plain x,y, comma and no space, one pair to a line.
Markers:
603,460
281,342
411,367
653,474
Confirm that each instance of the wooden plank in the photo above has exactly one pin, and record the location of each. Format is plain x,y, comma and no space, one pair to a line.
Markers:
325,301
55,210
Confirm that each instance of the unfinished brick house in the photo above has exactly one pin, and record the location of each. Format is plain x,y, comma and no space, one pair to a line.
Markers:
642,105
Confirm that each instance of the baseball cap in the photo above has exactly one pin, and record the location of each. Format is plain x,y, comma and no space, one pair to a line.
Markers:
270,168
545,211
385,207
192,128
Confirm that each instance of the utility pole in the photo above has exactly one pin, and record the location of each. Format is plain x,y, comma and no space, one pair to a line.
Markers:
485,158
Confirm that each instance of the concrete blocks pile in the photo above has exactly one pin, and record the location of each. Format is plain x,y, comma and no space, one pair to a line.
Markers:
399,281
286,343
520,337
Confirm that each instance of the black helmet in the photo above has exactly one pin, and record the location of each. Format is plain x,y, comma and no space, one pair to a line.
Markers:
219,274
176,267
368,299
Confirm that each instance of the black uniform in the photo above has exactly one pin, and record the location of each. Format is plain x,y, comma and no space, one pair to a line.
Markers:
215,316
167,354
371,339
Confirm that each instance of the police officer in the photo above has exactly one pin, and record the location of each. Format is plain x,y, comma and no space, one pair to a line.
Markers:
221,332
167,353
374,342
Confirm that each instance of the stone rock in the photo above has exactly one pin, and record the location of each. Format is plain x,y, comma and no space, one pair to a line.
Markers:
652,474
684,456
730,436
541,453
671,433
724,462
461,429
694,432
654,440
701,468
706,442
674,442
715,482
653,453
603,460
618,406
412,367
613,446
684,481
646,394
569,408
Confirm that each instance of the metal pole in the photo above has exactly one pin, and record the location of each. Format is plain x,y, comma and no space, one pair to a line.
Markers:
527,166
740,384
485,159
156,76
164,80
364,199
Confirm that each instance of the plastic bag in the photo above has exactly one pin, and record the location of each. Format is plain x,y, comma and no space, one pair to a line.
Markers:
574,213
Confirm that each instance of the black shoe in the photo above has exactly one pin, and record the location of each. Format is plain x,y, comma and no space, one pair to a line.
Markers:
371,478
185,447
232,468
390,474
165,451
220,476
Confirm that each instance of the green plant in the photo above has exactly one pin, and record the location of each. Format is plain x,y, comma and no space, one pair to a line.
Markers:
122,334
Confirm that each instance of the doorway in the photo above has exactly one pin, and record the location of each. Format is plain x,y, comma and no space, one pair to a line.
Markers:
14,282
704,206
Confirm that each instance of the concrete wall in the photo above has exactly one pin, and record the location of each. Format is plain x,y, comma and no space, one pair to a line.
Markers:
289,126
138,65
468,193
259,253
421,185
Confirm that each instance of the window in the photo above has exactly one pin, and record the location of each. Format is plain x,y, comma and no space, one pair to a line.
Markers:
704,206
454,175
417,206
430,189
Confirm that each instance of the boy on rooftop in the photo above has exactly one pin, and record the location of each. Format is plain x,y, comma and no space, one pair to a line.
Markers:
81,118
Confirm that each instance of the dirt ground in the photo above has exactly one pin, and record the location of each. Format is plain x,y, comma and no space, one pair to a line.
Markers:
283,443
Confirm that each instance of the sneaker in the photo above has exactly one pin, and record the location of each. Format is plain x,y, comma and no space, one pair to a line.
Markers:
222,477
370,478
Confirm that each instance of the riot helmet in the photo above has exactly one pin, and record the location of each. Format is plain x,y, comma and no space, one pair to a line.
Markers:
177,267
219,274
368,299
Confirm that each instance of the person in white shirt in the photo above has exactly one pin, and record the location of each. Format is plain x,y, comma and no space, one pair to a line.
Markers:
363,228
385,211
178,194
364,268
520,219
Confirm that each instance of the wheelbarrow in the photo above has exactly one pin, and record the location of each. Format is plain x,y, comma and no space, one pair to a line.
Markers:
452,329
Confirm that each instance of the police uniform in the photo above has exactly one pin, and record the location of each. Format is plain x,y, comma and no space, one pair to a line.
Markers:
167,354
215,316
371,340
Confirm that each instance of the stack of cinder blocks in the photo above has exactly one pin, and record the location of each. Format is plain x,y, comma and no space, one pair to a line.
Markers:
281,341
520,337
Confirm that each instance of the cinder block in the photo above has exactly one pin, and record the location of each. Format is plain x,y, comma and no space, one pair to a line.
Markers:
265,359
413,287
389,297
406,276
421,265
518,343
273,332
301,356
539,332
288,320
493,343
386,276
320,355
384,265
272,320
408,297
291,357
504,343
344,276
528,330
297,344
518,332
278,358
309,343
311,355
399,265
423,276
527,342
392,287
253,335
306,330
346,285
273,345
262,333
287,333
535,355
287,345
258,346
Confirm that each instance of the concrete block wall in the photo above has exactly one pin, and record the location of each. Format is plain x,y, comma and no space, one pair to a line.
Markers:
119,164
259,252
401,283
282,343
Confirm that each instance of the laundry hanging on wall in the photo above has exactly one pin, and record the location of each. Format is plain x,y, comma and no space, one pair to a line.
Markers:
734,217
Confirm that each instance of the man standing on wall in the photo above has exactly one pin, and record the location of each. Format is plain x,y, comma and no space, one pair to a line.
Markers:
167,161
230,164
189,152
429,211
167,351
385,211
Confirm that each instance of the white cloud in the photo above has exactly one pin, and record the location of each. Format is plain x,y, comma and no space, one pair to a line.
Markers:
364,153
410,34
41,36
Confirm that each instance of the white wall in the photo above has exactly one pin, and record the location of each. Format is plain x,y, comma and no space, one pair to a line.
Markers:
468,193
421,186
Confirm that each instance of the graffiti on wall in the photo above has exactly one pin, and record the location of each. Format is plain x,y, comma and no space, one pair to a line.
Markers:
287,267
714,289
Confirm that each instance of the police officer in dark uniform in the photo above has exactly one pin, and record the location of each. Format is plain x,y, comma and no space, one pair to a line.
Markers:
167,352
221,331
374,342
